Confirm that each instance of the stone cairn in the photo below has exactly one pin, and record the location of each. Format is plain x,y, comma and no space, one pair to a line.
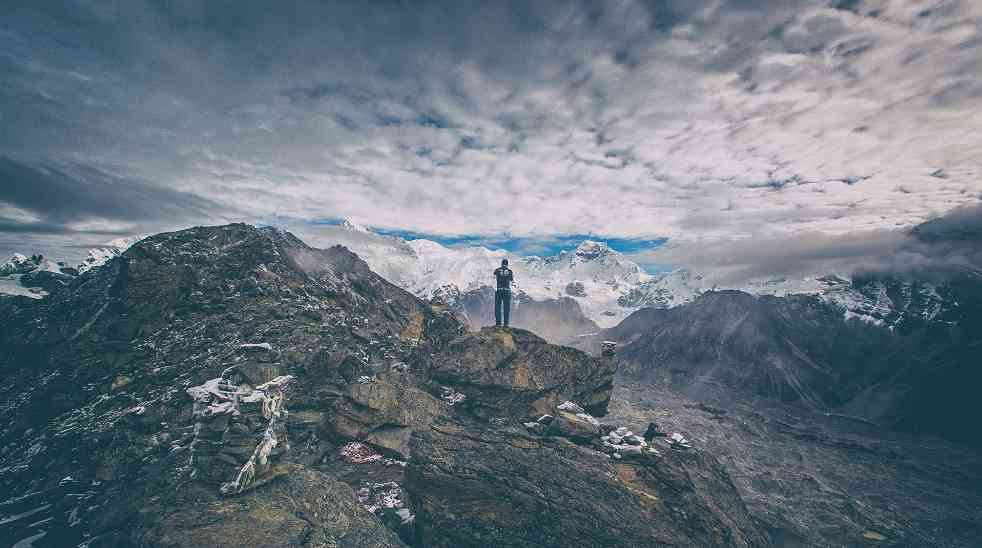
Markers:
239,431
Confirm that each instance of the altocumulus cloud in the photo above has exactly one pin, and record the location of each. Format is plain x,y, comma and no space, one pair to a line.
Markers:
699,121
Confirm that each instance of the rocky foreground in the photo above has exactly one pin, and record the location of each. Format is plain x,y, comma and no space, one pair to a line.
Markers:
816,479
231,386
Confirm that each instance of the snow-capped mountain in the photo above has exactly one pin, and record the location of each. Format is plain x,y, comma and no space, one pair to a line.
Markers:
600,279
33,276
22,264
607,285
98,256
889,301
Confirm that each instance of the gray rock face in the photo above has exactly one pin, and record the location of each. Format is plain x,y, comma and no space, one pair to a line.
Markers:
384,411
514,373
476,486
821,480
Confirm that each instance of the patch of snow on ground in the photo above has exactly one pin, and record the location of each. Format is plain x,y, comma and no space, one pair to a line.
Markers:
451,396
358,453
382,498
262,346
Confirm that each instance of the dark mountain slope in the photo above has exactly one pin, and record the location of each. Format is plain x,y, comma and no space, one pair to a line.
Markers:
917,376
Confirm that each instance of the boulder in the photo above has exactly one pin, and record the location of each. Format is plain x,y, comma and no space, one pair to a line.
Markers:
514,373
384,411
578,427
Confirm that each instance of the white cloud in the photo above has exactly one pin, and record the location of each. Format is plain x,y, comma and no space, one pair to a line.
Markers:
716,123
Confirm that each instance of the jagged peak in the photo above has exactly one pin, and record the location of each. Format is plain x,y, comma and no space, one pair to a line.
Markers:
354,227
591,249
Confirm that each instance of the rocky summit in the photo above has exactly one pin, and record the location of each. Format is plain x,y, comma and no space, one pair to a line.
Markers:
514,374
232,386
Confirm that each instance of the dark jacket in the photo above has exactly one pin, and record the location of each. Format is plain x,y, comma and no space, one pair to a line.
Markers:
504,277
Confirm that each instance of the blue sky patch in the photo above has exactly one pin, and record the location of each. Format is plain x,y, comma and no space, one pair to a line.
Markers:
536,245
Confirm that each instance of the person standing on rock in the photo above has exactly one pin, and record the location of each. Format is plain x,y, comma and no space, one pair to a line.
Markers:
502,295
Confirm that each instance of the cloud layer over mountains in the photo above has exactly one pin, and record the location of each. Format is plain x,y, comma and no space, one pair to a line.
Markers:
701,121
947,245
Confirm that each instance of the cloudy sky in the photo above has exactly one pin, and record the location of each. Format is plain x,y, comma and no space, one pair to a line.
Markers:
700,123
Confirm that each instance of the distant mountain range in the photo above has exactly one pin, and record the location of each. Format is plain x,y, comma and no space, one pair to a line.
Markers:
36,275
601,286
604,283
572,294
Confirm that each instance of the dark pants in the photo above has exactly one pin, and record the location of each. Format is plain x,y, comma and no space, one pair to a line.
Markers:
502,306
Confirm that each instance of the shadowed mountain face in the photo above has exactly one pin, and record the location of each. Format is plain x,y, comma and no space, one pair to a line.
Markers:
232,386
919,376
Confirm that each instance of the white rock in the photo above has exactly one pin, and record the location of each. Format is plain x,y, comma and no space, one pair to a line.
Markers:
406,516
570,407
260,346
677,439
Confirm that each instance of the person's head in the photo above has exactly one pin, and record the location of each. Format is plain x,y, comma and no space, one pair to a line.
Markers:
504,262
